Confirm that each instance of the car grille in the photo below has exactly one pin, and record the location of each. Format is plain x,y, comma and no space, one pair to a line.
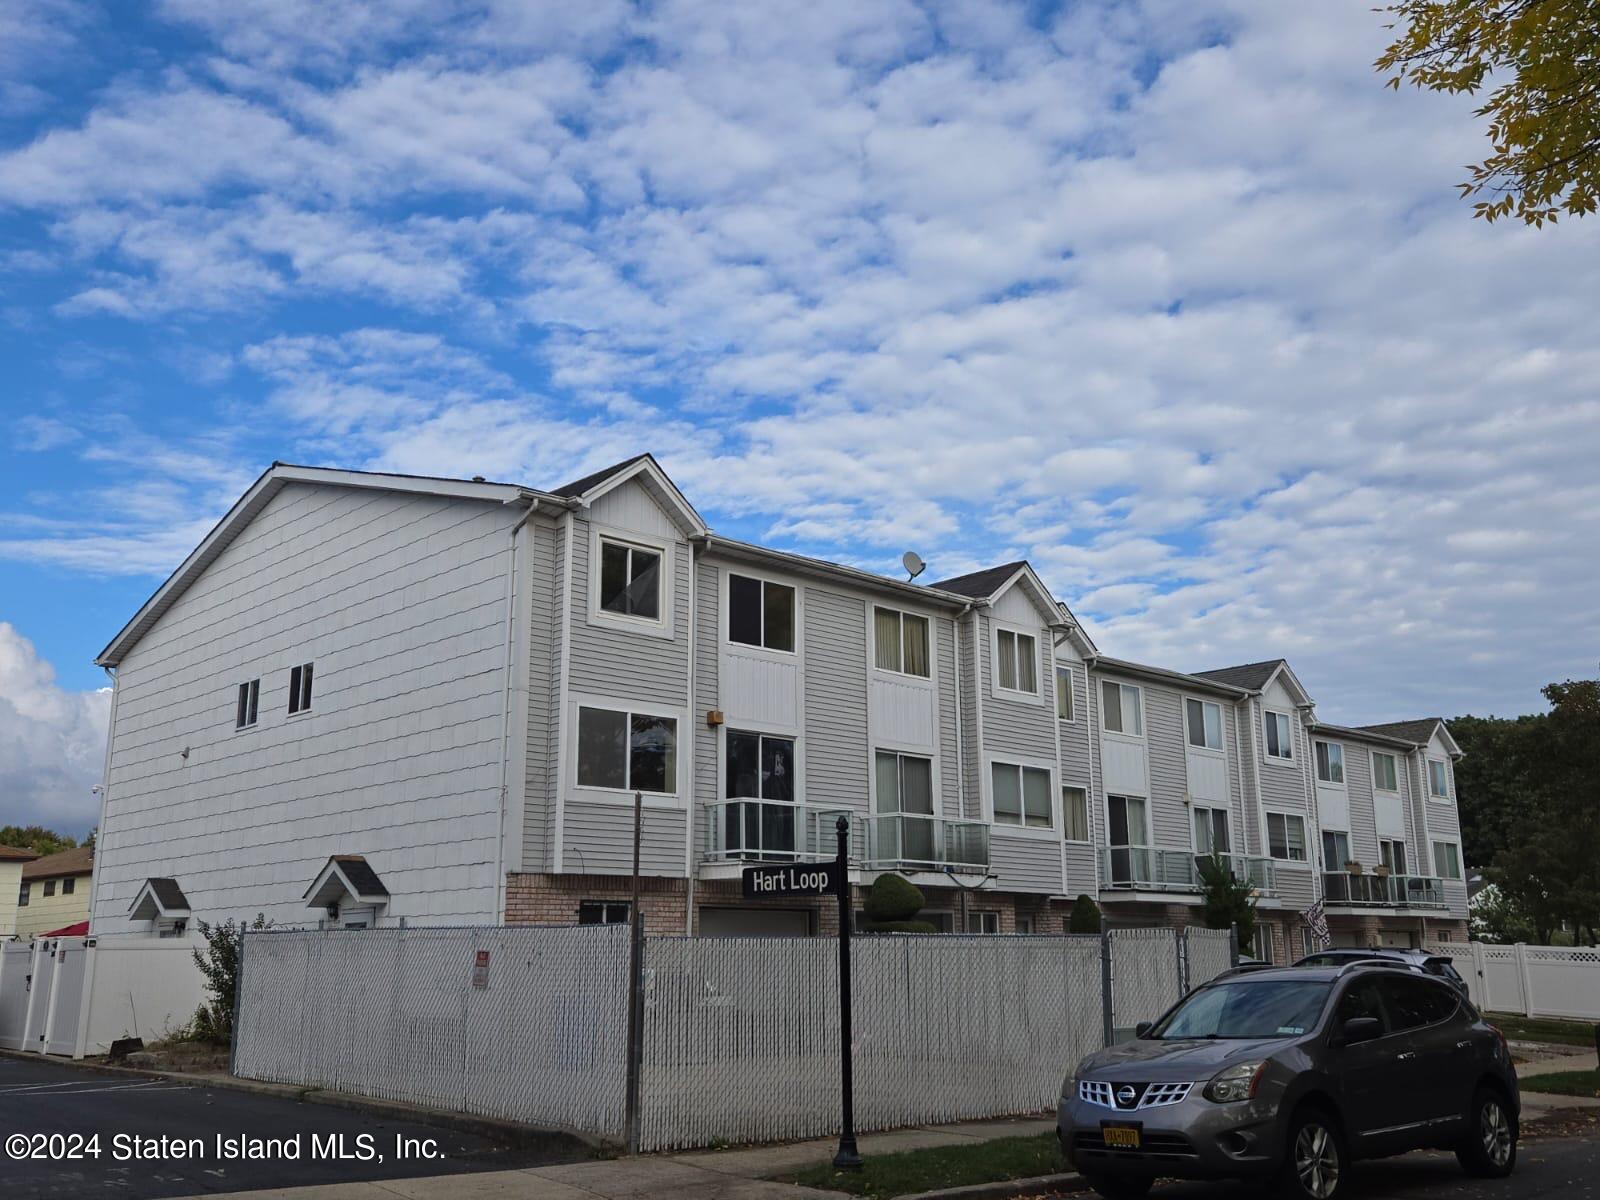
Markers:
1153,1095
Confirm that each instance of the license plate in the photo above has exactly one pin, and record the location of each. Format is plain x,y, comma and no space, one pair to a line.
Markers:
1120,1137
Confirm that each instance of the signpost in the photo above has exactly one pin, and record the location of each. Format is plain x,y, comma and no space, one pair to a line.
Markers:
823,879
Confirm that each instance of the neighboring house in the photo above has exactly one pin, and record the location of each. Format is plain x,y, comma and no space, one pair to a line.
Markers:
12,861
367,699
55,892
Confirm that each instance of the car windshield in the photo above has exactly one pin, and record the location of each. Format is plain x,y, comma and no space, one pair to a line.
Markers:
1247,1008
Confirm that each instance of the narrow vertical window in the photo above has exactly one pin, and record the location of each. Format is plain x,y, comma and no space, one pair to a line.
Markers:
1280,742
249,700
1438,780
299,689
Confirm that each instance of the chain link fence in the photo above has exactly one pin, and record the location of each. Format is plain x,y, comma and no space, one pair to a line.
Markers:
1207,953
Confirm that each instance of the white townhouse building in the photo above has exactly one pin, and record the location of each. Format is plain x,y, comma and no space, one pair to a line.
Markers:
368,699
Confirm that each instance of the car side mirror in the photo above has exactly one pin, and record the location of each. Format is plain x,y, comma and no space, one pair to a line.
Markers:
1143,1028
1361,1029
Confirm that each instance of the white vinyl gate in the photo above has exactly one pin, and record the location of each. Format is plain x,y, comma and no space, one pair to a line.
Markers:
1535,981
16,969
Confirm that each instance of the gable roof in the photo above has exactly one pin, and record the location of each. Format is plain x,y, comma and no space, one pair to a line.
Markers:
1417,733
1252,677
1359,734
346,875
159,897
77,861
579,486
656,483
980,585
16,854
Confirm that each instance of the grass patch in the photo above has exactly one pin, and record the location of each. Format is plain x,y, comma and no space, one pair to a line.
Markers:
1565,1083
886,1175
1542,1029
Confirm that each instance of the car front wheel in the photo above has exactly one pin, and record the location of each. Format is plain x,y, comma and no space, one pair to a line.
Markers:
1488,1149
1316,1165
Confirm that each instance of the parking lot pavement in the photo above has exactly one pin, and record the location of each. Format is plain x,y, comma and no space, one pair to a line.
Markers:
116,1125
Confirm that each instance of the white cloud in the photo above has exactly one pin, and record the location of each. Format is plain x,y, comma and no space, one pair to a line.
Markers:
52,742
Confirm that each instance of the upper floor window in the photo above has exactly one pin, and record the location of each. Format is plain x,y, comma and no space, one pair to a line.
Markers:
1447,860
300,689
760,613
900,642
627,751
68,886
1280,740
1330,762
759,767
1074,814
22,896
1392,854
1121,709
1017,661
49,887
630,580
1335,850
1205,724
1066,700
1438,780
1021,795
1384,776
245,711
1286,836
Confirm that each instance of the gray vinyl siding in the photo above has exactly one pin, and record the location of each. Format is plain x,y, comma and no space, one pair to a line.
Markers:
1284,785
949,777
1243,818
1010,726
1079,770
544,665
971,751
837,767
1097,792
1025,864
705,687
1363,805
399,601
1250,772
599,839
1296,886
1169,777
607,661
1420,852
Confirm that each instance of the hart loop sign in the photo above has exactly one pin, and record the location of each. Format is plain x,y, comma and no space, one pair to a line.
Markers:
793,879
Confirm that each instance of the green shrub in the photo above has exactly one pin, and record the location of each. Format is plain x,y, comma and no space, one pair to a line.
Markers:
902,927
219,963
1085,916
892,898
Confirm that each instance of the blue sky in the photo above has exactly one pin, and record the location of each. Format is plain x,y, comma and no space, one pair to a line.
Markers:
1173,299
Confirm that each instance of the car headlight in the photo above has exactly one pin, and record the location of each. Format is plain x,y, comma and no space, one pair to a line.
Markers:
1238,1082
1069,1086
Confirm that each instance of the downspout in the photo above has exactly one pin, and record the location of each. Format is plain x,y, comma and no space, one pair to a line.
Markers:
505,708
105,796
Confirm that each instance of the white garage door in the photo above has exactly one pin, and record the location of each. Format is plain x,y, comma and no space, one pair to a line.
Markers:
757,922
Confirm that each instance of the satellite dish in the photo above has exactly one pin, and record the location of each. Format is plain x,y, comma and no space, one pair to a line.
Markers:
913,564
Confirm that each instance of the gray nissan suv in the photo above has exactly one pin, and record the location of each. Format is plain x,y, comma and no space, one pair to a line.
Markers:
1287,1076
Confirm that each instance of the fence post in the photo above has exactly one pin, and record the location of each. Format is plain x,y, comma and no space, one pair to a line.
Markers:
1105,981
1526,978
630,1103
1233,944
238,993
1180,942
1481,976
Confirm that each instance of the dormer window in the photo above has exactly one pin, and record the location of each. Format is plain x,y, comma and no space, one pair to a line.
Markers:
630,580
1280,739
1438,780
1016,662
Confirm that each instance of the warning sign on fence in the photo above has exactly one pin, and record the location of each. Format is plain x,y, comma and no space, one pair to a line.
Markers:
480,970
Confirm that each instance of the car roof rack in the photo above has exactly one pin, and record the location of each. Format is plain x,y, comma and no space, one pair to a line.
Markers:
1390,964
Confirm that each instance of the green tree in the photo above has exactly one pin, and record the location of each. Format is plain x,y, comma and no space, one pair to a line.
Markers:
1085,916
1227,900
1497,918
892,902
1542,60
219,964
37,838
1491,780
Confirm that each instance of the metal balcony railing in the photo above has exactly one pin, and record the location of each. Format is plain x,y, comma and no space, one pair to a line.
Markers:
919,842
776,831
1147,868
1348,890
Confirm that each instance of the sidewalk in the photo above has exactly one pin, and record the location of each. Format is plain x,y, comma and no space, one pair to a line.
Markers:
713,1174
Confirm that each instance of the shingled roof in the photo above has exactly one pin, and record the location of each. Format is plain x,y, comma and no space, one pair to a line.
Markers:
1415,732
979,584
579,486
78,861
16,854
1252,677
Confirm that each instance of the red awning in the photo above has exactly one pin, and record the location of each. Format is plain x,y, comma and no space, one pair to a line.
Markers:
81,929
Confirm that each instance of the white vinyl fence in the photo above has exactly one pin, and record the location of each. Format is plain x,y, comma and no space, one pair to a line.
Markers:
740,1036
1536,981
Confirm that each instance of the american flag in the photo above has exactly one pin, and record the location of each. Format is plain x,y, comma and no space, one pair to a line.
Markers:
1316,919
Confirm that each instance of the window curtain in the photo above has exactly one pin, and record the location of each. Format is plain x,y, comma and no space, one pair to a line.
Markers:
916,645
886,624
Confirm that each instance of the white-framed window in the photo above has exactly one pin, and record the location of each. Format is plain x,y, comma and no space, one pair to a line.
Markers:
1392,854
1211,831
1021,795
174,927
1066,695
602,912
758,766
1074,814
1279,735
1286,836
1016,661
900,642
627,751
1205,724
1330,762
1385,773
300,689
983,922
1438,780
245,710
632,582
1447,860
903,783
1335,850
1121,708
761,612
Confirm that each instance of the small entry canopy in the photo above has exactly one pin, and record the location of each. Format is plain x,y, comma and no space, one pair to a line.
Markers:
160,900
347,879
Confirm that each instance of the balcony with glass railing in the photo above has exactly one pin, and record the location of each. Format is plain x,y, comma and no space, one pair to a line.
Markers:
1357,889
776,831
1150,869
920,842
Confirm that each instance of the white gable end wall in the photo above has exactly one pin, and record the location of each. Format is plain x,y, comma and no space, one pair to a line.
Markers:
399,601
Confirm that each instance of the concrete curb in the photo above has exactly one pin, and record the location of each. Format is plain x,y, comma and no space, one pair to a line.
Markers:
512,1132
1066,1181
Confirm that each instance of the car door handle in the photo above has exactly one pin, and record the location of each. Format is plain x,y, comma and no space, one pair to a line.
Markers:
1406,1057
1464,1044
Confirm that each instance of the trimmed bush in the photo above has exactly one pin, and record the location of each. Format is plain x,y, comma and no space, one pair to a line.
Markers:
1085,916
893,898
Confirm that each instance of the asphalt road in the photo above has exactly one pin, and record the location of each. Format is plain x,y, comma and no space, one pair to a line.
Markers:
44,1098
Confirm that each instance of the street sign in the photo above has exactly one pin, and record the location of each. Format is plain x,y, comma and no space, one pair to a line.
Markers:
793,879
